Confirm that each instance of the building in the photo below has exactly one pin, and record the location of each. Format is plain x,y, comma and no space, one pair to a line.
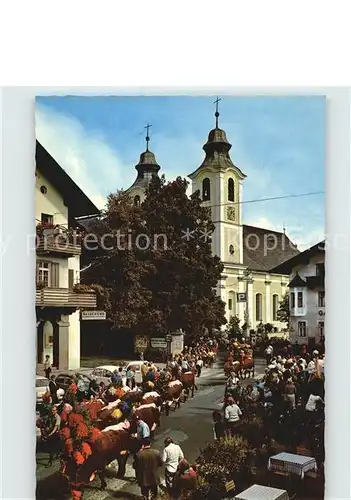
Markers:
307,294
58,201
248,287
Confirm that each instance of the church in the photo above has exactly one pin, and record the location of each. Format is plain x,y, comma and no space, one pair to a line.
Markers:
248,286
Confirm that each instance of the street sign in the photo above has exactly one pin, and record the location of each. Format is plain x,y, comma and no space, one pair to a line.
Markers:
241,297
92,315
159,343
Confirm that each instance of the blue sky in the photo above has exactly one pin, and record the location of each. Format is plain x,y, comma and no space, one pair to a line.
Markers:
278,142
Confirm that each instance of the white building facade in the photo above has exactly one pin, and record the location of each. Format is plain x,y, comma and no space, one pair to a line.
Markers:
58,200
307,295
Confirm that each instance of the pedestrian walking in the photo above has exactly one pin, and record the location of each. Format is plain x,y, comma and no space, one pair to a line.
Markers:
47,366
199,365
218,425
130,376
232,415
51,435
171,456
147,466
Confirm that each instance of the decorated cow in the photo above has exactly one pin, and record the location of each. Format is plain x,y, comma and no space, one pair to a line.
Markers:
188,381
172,395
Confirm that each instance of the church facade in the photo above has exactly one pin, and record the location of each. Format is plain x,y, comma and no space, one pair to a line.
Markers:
248,287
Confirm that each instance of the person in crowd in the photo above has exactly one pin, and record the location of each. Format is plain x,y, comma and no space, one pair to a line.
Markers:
218,425
47,366
144,369
143,431
232,415
117,377
171,456
199,364
290,394
130,376
185,479
101,390
53,390
51,435
232,383
148,462
185,365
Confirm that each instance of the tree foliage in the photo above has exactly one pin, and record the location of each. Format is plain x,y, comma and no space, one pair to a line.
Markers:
283,313
233,328
164,278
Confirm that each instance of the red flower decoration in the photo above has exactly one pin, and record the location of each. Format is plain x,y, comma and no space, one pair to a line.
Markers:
95,433
82,430
86,450
65,433
75,418
69,446
73,388
78,457
77,495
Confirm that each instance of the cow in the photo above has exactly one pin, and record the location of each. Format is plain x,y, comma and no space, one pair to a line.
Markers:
150,414
114,443
188,381
172,395
152,397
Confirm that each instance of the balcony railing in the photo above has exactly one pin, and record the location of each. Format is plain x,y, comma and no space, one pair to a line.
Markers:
64,297
58,241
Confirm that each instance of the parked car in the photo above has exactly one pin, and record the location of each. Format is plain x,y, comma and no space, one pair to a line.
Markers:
104,374
41,387
64,380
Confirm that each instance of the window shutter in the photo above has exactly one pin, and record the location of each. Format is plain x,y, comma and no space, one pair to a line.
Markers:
70,278
54,268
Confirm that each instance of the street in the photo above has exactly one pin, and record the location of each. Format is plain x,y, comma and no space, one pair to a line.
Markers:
190,426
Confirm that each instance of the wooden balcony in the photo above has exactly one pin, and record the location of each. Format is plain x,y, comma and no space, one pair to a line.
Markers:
64,297
54,243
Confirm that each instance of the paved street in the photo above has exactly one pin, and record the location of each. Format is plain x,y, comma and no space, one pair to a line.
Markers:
190,426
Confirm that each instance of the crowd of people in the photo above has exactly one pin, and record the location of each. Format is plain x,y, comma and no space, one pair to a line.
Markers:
289,396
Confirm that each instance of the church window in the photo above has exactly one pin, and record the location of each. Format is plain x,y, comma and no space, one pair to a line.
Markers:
230,189
137,200
258,306
206,189
230,304
275,307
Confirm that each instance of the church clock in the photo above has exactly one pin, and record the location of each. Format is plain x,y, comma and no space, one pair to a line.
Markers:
231,213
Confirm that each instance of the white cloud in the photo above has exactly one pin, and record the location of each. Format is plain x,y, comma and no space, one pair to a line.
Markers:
85,156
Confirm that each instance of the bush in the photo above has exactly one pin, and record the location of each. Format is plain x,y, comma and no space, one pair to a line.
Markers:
156,355
225,460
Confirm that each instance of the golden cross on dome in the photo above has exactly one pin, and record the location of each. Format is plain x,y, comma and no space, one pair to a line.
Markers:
217,112
147,135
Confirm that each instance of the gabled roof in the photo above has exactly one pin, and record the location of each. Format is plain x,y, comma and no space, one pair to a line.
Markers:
297,282
302,258
77,202
265,249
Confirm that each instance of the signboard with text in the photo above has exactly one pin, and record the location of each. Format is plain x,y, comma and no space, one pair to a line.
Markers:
159,343
93,315
241,297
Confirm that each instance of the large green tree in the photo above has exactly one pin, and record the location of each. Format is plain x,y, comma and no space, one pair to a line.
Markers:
165,277
283,313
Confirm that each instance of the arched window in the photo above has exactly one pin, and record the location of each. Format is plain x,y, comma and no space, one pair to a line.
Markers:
230,189
275,304
206,189
137,200
258,306
232,303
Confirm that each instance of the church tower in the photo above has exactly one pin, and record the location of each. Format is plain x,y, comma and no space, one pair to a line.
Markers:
147,168
220,184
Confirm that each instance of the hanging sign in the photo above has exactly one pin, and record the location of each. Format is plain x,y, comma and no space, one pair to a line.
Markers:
93,315
241,297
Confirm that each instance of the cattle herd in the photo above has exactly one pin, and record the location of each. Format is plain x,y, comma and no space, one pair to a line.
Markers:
97,431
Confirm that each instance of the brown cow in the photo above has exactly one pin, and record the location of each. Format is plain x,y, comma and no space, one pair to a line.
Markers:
152,397
107,448
172,395
188,381
150,414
